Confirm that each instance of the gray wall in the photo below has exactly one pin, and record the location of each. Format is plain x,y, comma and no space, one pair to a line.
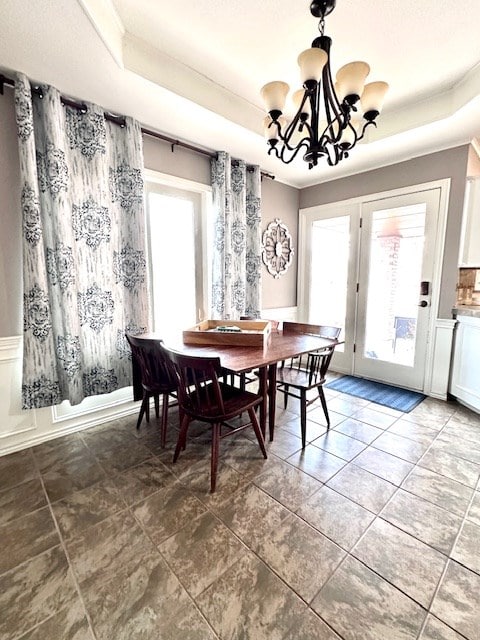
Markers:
278,200
451,163
182,163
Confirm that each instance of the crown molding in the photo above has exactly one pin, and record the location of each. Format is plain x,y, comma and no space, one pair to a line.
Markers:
156,66
107,23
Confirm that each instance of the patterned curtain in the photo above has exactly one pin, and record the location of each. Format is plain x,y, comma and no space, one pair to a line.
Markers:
84,267
236,285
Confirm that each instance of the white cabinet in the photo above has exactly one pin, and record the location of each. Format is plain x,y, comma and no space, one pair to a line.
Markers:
465,379
470,243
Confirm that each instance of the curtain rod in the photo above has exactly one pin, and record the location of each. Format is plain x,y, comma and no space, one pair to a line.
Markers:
120,120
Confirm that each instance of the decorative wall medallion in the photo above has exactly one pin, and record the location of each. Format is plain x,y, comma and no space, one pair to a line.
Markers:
277,250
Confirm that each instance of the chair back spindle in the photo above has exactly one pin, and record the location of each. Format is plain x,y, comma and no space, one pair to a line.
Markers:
308,371
202,396
198,384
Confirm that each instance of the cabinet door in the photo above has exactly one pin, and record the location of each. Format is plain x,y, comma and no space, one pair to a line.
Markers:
465,381
470,245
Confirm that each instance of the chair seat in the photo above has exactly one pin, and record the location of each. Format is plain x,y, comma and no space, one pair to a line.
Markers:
299,378
161,387
235,401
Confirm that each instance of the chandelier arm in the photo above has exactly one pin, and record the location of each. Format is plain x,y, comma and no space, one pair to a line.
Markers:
313,150
349,145
362,135
285,137
277,124
313,96
281,155
334,111
303,142
314,110
356,137
331,151
334,154
295,153
312,128
307,126
289,147
289,131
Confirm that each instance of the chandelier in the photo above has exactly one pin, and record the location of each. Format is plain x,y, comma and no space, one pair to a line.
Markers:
330,118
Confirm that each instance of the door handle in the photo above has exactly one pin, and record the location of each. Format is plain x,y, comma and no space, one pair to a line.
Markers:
423,303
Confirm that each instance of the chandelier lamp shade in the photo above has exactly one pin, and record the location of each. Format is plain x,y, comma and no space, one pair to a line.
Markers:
330,117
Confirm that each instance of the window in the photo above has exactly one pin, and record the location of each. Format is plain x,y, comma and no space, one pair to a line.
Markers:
178,233
330,247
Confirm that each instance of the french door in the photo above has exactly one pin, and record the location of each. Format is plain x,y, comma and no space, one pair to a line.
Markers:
368,266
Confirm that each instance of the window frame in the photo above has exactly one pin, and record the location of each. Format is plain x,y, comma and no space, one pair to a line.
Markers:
201,196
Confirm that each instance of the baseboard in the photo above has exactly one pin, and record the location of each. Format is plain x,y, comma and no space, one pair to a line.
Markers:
20,429
67,430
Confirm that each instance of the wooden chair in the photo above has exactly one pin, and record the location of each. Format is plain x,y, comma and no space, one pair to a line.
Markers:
203,396
305,373
156,379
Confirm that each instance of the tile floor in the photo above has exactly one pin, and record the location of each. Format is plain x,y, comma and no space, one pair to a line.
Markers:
371,533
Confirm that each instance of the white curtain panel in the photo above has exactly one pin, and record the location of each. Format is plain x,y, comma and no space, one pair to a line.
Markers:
84,265
236,272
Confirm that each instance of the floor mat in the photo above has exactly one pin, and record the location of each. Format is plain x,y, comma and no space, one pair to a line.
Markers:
384,394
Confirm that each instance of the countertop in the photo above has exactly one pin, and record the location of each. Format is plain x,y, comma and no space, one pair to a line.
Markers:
473,311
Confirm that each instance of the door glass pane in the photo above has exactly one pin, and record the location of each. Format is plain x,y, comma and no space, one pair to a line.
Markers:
396,255
329,272
172,250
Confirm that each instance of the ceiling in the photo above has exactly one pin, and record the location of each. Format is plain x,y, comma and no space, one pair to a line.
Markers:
193,69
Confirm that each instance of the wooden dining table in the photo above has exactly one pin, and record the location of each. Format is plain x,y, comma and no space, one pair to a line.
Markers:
278,347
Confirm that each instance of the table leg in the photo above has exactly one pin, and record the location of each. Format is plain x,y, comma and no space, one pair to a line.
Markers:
272,395
263,390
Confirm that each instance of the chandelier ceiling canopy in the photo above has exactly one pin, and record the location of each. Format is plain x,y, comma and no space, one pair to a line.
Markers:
330,117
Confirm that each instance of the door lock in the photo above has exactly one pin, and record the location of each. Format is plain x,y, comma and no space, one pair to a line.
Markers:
424,288
423,303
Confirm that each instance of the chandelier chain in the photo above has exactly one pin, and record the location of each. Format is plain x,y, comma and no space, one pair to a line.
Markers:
321,26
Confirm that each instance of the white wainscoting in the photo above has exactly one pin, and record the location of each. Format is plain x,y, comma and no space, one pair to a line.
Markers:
21,429
465,381
15,425
437,369
288,314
